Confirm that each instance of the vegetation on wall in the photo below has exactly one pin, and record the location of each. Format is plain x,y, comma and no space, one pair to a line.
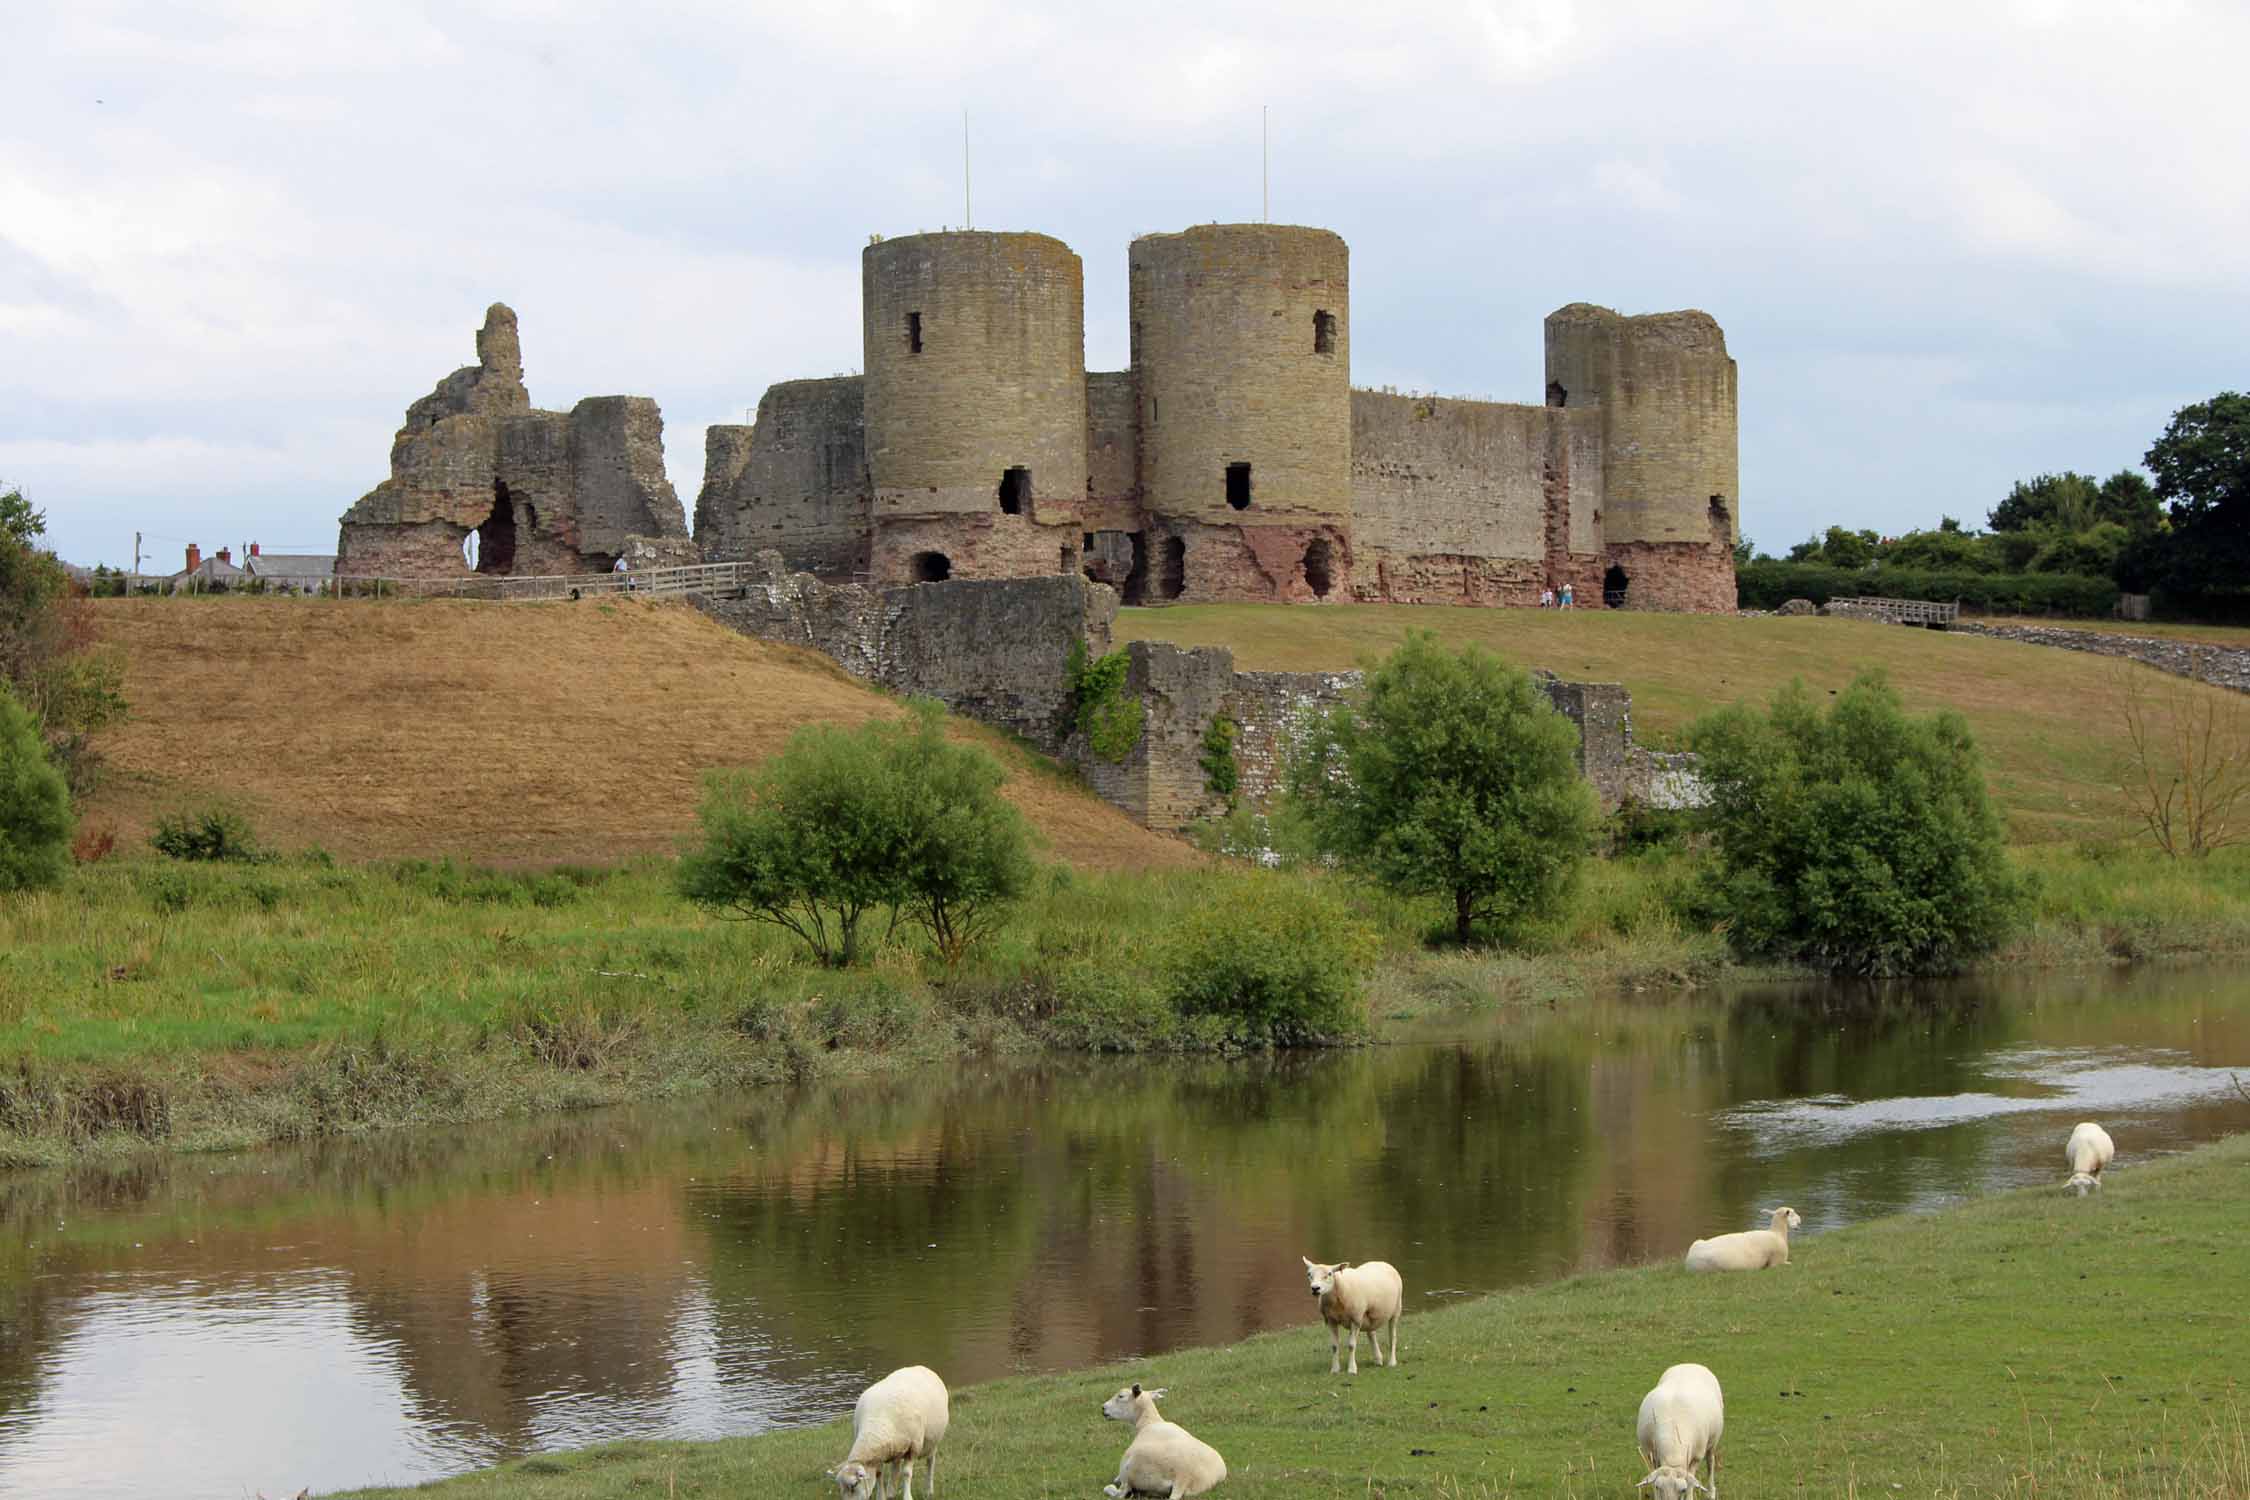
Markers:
1221,776
1109,717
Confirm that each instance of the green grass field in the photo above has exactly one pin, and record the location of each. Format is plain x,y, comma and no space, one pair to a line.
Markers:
2050,722
2029,1344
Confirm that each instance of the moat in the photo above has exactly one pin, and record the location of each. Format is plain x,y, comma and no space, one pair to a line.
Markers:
426,1302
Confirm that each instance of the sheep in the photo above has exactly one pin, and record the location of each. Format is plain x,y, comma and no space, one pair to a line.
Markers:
1751,1250
1681,1422
895,1421
1367,1296
2089,1151
1164,1458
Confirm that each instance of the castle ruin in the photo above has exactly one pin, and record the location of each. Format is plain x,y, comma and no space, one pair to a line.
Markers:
1233,461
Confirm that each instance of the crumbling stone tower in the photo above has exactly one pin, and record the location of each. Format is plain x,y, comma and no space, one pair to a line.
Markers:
1666,389
1241,339
975,405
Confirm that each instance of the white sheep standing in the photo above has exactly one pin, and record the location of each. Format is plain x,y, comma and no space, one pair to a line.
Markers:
1681,1422
1163,1458
2089,1151
1751,1250
1365,1296
895,1421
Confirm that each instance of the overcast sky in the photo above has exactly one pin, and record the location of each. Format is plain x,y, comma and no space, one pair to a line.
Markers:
1951,243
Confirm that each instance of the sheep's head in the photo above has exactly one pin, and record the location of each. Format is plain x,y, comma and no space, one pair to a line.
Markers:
1125,1406
1778,1215
855,1480
2084,1182
1670,1483
1321,1277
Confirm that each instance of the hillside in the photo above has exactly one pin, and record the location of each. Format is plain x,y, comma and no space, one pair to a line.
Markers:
504,733
2049,721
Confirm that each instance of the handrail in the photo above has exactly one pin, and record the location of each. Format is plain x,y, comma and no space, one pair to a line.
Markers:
690,578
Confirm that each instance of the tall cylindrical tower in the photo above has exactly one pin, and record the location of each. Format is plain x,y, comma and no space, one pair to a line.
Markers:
1671,501
976,400
1242,355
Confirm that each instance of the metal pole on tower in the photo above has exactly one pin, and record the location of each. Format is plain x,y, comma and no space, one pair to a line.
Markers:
968,210
1265,168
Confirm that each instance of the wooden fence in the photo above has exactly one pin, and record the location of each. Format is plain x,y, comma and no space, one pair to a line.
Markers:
694,578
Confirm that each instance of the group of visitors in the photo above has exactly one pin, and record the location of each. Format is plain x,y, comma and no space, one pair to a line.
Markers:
1551,598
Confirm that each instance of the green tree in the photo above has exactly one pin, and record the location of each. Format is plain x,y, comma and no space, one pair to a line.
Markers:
2068,501
1840,548
35,818
47,652
845,824
1276,957
2202,469
1857,841
1451,775
2130,501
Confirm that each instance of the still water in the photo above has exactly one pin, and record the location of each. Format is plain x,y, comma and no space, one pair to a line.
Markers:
408,1307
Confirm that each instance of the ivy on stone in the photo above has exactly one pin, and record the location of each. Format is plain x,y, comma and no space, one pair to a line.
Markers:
1220,773
1110,719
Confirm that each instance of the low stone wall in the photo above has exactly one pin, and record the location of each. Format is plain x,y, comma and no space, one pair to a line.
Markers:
2225,666
998,650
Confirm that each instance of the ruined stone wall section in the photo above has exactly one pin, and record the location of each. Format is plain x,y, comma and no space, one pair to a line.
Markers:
1269,711
795,482
1112,439
976,363
1235,365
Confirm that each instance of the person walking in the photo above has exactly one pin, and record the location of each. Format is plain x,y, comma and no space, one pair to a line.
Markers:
1566,596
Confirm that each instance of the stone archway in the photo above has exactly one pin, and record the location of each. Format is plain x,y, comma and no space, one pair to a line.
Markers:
496,538
932,567
1320,567
1615,586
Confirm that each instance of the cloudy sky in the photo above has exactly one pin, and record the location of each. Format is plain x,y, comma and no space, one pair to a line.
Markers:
1951,243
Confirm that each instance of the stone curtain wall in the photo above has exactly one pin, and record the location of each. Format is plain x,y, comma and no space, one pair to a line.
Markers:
998,382
796,481
2223,666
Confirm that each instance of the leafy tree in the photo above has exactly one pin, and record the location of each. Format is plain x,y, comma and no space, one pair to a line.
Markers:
1840,548
2092,552
1942,550
1858,841
848,823
1451,775
1745,551
2068,501
2202,469
47,651
2130,501
35,817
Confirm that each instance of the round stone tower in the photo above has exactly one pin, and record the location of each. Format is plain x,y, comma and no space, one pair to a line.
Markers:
1242,356
1671,502
976,403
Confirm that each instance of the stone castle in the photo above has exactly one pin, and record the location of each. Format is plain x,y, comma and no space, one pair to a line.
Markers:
1233,461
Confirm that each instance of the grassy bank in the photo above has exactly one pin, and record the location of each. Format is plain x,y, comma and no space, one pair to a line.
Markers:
2032,1343
155,1005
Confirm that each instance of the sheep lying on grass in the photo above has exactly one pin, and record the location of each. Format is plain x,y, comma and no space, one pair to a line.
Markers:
1164,1458
1681,1422
895,1421
2089,1151
1364,1296
1751,1250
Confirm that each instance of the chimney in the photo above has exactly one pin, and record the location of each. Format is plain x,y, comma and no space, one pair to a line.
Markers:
225,556
194,557
253,549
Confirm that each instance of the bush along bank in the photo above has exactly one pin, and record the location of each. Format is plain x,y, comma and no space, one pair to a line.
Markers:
2026,1344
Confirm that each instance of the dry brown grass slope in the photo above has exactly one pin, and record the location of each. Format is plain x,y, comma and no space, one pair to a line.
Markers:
525,733
2050,721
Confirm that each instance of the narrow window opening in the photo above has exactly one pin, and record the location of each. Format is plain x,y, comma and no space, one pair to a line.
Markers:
1136,574
932,567
1069,558
914,333
1556,395
1324,332
1155,408
1722,529
1238,486
1320,567
1015,489
1171,570
496,538
1614,587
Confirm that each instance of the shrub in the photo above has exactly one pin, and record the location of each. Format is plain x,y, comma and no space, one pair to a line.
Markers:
1275,958
93,845
206,834
1857,841
1768,585
35,820
1451,775
1100,707
845,823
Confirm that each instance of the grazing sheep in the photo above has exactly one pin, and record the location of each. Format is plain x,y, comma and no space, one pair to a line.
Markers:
1751,1250
1367,1296
1681,1422
895,1421
2089,1151
1164,1458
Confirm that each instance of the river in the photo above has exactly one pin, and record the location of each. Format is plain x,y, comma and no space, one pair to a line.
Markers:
409,1306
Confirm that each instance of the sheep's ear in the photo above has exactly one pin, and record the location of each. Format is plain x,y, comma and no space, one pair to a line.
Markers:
1646,1480
1309,1261
1343,1265
1162,1390
1136,1387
